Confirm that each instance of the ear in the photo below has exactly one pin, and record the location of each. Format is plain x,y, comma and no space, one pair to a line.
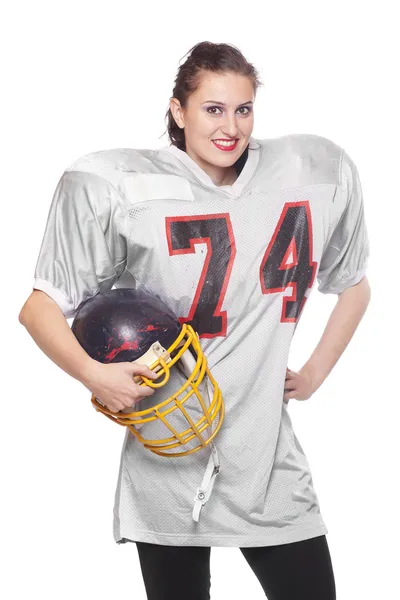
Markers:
177,112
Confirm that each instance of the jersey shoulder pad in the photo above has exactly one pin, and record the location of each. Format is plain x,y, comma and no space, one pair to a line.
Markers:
315,143
317,155
110,164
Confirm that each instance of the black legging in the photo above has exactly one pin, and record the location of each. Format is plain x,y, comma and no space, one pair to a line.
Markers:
297,571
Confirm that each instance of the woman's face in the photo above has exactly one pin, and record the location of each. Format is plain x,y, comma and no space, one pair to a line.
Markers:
220,109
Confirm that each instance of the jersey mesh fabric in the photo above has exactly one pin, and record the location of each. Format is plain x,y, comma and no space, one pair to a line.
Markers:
300,194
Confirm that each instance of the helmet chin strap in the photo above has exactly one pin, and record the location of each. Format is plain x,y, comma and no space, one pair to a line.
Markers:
203,493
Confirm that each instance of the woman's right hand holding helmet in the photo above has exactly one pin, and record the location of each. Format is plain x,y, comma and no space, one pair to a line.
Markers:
113,384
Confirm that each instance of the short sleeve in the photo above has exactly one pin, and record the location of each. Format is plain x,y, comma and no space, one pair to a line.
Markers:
345,258
84,246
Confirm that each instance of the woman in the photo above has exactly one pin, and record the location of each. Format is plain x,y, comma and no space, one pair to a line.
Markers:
231,232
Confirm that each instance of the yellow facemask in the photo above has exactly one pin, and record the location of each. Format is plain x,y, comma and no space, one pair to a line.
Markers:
186,353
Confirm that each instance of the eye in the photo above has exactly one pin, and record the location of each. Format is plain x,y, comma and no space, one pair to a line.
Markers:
212,108
248,108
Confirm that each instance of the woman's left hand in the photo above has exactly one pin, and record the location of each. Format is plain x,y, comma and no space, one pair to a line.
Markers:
299,385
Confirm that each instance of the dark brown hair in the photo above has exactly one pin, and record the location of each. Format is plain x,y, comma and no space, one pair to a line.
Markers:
205,56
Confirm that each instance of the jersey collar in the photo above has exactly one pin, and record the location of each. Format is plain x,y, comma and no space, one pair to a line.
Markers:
237,187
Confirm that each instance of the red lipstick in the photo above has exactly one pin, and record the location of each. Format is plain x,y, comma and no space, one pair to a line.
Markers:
225,148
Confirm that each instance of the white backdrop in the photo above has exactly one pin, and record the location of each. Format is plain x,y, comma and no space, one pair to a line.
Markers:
84,76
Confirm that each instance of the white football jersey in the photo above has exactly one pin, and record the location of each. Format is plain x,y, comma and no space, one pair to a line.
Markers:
238,262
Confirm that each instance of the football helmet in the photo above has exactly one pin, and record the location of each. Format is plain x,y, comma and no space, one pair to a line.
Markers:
127,324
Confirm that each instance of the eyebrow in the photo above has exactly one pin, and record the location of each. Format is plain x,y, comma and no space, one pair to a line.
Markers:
222,104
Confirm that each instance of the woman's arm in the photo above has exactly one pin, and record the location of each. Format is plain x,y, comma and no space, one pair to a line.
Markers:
341,326
112,383
47,325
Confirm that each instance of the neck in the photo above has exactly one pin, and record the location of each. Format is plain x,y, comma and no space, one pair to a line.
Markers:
218,175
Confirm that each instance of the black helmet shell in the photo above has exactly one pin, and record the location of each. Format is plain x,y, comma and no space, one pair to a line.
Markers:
120,325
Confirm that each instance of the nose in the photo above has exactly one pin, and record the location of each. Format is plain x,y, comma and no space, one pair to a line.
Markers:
229,126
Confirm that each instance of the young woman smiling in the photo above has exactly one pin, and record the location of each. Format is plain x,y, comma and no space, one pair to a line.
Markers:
231,232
